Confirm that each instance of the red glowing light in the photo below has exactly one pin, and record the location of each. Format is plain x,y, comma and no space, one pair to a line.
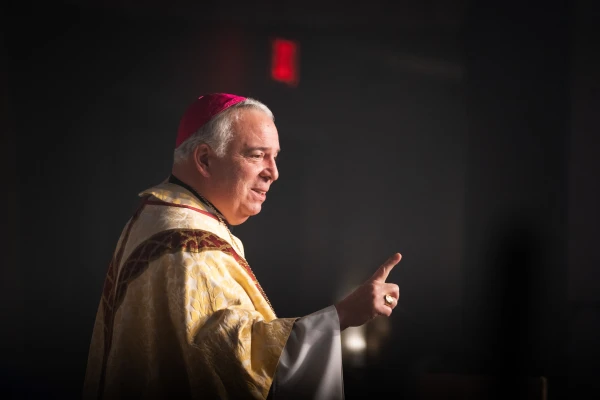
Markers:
284,65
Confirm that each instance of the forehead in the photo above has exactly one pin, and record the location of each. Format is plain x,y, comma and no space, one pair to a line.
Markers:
254,128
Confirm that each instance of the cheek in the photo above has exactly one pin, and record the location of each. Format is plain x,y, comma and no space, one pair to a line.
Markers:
248,177
243,183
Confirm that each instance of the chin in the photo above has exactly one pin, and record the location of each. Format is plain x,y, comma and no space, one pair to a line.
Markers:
247,214
253,210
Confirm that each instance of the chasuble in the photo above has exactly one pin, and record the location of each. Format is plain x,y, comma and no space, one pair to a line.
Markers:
182,315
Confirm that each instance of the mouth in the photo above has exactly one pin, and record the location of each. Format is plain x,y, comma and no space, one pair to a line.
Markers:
262,194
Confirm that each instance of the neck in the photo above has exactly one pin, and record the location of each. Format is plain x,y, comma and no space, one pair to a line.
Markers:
175,180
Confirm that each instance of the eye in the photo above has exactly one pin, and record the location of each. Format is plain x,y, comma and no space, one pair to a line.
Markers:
256,155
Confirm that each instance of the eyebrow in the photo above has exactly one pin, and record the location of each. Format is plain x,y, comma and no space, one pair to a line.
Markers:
263,149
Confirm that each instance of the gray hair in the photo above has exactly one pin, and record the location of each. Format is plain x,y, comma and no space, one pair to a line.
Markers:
217,132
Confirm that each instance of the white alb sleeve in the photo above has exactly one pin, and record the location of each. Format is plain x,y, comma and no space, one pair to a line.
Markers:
310,366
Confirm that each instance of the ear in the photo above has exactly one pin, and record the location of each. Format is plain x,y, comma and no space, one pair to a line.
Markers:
203,155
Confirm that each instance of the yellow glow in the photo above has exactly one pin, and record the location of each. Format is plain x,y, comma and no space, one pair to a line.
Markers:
355,341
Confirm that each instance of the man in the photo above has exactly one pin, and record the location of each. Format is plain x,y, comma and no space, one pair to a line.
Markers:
182,314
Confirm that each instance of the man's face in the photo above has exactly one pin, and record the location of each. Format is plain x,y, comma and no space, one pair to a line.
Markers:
243,176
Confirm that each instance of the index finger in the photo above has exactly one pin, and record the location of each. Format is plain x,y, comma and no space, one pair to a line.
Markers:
382,272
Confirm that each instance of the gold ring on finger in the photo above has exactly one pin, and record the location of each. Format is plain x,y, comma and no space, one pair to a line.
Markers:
389,300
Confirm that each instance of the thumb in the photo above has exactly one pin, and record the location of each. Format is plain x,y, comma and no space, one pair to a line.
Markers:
382,272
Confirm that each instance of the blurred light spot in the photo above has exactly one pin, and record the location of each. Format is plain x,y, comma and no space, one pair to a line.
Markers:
284,61
354,346
355,341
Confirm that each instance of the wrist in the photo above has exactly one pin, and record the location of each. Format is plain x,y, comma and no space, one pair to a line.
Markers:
341,317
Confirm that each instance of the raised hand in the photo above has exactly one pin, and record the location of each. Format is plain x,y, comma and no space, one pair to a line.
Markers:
368,300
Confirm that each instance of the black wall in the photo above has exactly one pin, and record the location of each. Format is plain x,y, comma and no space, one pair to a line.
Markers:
470,150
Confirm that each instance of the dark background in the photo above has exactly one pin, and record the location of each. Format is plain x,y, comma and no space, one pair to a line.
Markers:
461,134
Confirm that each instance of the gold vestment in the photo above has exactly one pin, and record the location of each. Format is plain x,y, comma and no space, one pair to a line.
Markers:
182,315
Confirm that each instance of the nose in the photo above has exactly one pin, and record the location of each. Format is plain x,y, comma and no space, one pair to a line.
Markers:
271,172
